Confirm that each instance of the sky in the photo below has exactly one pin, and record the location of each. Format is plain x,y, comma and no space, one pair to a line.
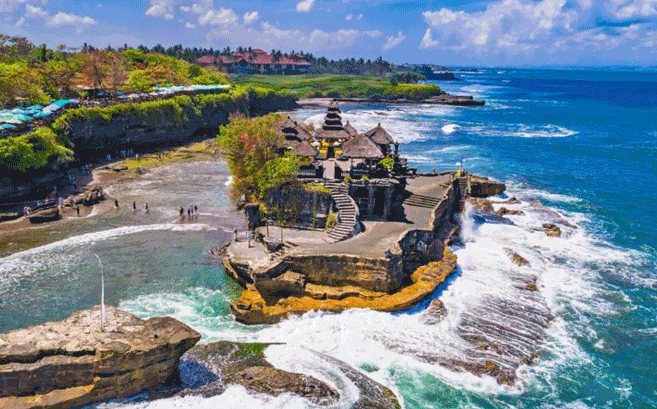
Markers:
448,32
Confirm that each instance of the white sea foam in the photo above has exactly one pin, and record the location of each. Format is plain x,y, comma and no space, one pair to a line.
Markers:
522,131
229,181
450,129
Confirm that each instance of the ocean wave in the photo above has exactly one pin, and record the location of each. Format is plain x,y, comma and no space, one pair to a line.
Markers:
523,131
450,129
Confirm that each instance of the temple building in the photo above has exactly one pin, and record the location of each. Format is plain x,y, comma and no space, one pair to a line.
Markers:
381,137
332,133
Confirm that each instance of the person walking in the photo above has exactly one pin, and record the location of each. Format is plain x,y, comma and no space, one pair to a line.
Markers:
182,213
116,203
134,206
77,209
235,234
248,238
146,207
189,213
196,211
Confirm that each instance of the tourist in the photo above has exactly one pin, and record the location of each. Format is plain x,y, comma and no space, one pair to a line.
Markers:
182,213
248,238
77,209
146,207
189,213
116,203
235,234
134,206
196,211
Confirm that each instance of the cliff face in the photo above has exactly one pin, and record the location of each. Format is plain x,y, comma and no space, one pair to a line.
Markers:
72,362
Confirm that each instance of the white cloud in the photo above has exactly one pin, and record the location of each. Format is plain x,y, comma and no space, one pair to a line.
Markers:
394,41
190,25
268,35
427,41
251,17
218,17
8,6
373,34
168,16
360,16
58,20
305,6
66,19
185,9
20,22
160,8
625,10
348,17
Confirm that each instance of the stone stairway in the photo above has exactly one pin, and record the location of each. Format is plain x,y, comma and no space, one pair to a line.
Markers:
348,212
287,246
463,191
427,202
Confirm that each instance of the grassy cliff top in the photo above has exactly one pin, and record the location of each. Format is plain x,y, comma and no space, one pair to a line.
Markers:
304,86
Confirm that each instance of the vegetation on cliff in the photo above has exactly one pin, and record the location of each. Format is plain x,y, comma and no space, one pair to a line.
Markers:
48,146
250,148
345,86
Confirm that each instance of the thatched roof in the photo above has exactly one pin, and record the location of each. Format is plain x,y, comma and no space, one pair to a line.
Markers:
305,149
350,129
380,136
331,134
289,126
361,147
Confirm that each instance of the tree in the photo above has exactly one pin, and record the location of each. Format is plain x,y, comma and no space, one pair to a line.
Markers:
18,80
95,69
59,75
250,146
139,81
117,70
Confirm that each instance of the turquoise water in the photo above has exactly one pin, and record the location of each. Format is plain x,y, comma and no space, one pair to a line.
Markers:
582,143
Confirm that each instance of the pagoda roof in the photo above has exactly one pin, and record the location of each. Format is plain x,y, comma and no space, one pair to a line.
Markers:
331,134
350,129
380,135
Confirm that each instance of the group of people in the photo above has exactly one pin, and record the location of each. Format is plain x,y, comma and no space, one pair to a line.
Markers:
134,205
192,212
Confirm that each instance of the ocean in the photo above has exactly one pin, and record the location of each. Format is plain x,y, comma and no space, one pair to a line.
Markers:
582,143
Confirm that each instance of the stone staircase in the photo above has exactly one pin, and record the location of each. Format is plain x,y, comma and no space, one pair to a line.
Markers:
464,191
427,202
287,246
348,212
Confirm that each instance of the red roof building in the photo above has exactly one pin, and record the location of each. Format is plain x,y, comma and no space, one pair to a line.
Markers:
257,60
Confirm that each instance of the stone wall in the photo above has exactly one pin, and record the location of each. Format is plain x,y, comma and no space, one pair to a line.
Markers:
298,206
379,198
374,274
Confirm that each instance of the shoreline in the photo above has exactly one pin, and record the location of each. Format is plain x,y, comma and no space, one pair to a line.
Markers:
443,99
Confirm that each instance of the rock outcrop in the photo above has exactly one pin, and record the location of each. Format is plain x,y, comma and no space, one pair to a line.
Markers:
73,363
517,259
435,313
44,215
508,212
207,370
484,187
552,229
252,308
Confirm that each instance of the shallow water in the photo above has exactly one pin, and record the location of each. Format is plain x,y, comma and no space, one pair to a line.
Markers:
582,143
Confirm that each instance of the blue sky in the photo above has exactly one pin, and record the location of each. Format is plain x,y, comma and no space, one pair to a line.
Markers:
450,32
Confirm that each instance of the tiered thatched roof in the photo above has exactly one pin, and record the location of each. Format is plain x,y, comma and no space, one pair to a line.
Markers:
289,127
300,148
380,136
333,134
361,147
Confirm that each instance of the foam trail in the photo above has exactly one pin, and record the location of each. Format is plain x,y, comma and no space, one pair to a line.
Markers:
450,129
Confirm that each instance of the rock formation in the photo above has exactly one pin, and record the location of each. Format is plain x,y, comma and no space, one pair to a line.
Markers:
484,187
45,215
73,363
435,313
552,229
507,212
517,259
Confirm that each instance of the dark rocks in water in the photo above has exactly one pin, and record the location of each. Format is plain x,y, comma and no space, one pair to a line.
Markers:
511,201
435,313
219,251
93,196
550,214
481,206
517,259
207,370
552,230
5,217
506,212
45,215
73,362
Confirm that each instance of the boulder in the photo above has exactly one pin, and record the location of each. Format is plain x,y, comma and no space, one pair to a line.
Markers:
435,313
517,259
44,215
481,206
73,362
93,196
552,230
484,187
506,212
511,201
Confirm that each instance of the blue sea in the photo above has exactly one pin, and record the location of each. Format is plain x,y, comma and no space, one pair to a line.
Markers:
576,146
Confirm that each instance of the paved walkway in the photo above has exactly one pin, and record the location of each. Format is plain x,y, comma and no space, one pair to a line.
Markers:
377,236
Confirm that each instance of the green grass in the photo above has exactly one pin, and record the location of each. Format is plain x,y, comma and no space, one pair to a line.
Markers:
318,188
251,349
345,86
